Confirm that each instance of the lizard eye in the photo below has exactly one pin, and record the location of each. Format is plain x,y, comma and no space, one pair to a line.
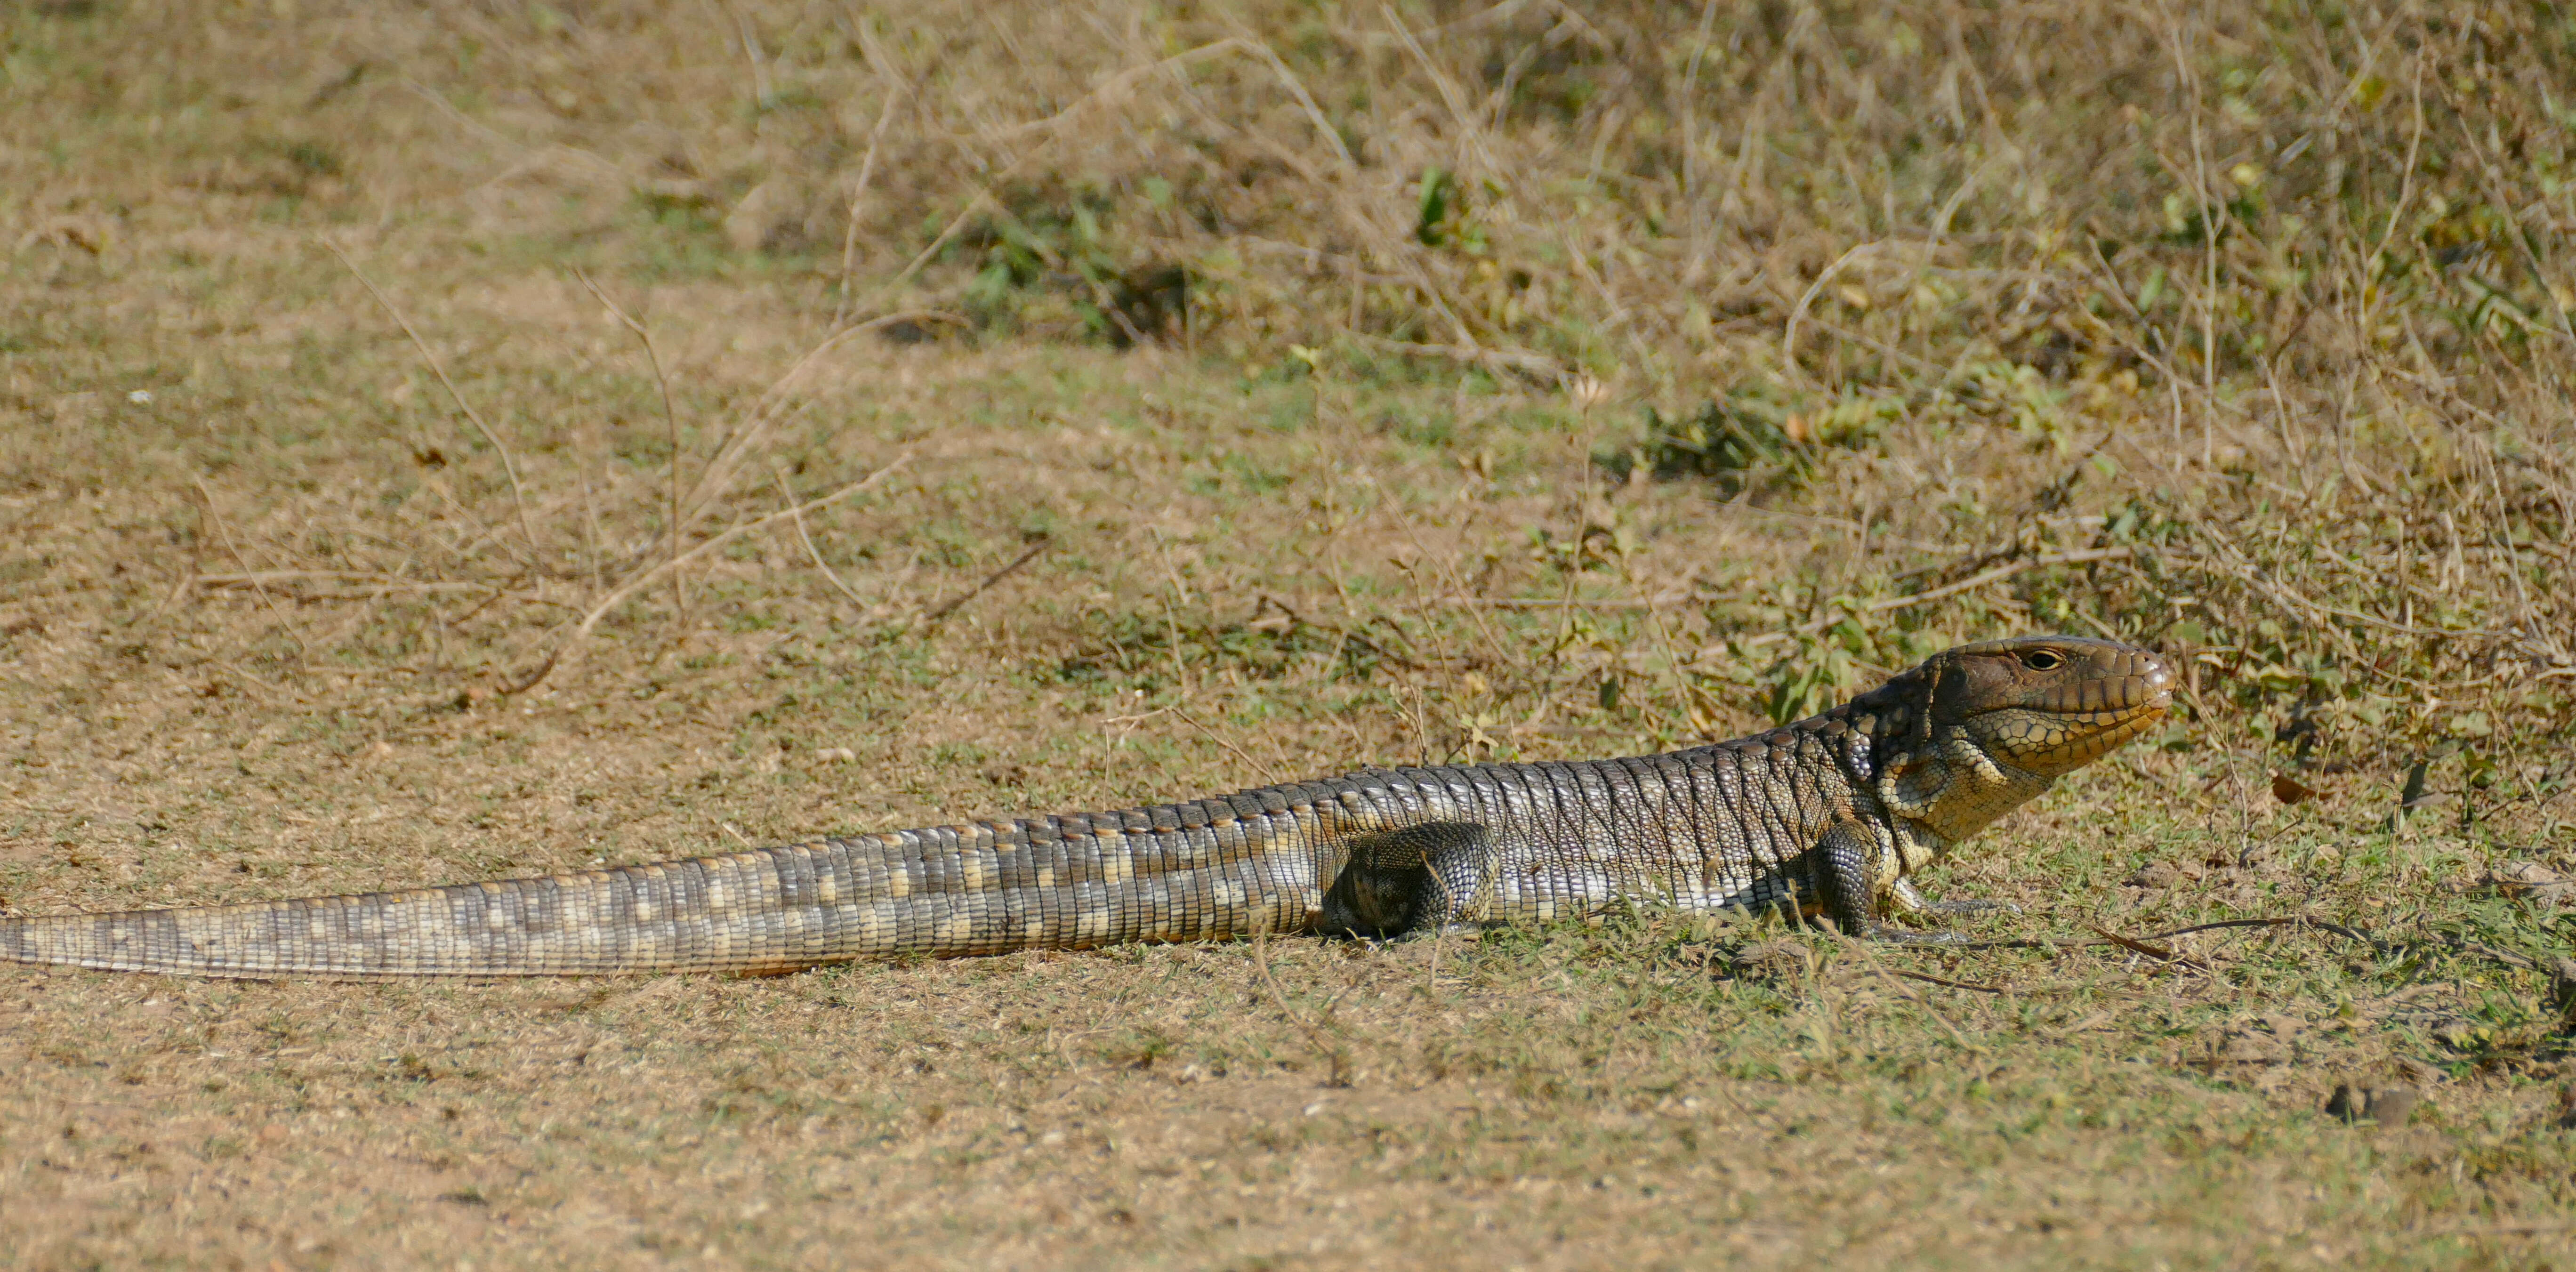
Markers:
2043,660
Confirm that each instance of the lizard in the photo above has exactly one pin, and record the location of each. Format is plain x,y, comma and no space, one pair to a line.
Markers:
1829,817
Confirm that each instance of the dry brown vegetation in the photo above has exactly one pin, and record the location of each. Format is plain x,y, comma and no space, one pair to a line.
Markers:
460,439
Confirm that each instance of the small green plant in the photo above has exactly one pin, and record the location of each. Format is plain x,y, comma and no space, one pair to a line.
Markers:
1732,443
1046,247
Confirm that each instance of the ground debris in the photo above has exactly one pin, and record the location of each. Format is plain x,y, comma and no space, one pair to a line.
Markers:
2389,1105
2165,874
1764,960
2532,881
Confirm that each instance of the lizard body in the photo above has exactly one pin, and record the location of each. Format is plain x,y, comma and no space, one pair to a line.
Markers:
1831,815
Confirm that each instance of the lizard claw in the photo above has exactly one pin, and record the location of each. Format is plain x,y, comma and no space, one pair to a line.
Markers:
1895,935
1971,906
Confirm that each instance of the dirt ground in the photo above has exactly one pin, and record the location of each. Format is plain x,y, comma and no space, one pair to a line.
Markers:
354,412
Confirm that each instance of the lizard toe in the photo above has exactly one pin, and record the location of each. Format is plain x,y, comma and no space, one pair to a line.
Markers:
1894,935
1972,906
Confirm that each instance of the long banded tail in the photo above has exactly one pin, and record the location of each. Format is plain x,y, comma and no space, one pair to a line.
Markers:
1208,869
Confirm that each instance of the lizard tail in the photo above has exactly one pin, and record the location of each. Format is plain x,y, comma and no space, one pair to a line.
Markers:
745,911
1197,872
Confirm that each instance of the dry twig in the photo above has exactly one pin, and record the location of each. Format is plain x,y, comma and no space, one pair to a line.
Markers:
643,578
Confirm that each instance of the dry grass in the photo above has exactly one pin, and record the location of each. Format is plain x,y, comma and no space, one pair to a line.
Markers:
400,444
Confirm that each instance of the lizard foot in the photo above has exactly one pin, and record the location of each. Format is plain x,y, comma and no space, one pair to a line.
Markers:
1895,935
1908,898
1971,906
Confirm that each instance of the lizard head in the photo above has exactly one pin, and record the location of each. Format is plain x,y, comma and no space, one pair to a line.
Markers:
1974,732
2047,704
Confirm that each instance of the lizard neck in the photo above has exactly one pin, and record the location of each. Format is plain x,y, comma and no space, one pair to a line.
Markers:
1951,788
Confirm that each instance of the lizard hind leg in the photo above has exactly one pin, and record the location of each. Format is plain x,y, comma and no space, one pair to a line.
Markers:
1398,880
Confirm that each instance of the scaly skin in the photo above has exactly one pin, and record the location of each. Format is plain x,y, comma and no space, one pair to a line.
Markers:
1831,816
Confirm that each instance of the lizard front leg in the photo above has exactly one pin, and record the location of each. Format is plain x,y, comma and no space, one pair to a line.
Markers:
1846,879
1844,872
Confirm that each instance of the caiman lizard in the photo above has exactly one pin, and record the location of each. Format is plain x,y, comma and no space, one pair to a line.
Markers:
1829,817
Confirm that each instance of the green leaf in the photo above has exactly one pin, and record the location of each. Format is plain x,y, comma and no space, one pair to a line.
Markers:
1439,189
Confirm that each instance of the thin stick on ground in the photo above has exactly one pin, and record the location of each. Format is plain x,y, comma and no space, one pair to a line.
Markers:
1337,1058
224,534
509,463
950,606
775,401
797,516
670,420
1268,774
1957,1035
646,577
895,91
